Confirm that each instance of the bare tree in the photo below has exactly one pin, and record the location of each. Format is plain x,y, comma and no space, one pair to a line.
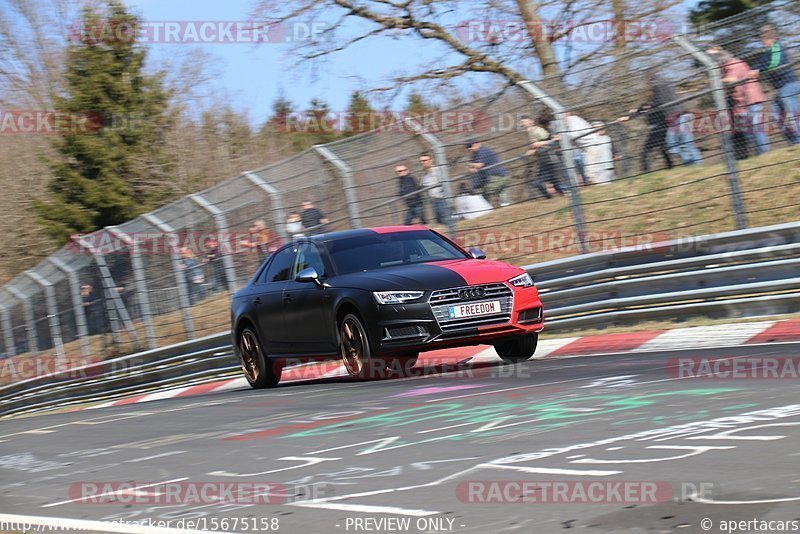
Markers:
511,39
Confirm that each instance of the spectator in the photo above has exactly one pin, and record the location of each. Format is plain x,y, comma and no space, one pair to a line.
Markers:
93,310
261,239
680,138
409,191
489,177
431,178
580,136
294,226
314,221
656,110
216,268
469,204
776,66
747,99
548,163
193,272
600,156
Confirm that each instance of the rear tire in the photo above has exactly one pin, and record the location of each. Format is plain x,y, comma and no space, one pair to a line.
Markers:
258,370
517,349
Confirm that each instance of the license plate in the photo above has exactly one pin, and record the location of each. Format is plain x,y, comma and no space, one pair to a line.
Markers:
475,309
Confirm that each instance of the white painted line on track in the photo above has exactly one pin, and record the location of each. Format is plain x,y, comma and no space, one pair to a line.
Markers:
552,470
368,509
153,457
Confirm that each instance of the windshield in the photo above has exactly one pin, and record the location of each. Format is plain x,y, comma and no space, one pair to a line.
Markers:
377,251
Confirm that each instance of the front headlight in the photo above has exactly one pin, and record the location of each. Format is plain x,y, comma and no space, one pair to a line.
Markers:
523,280
397,297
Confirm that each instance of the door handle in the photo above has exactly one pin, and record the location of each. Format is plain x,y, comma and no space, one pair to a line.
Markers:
257,300
287,299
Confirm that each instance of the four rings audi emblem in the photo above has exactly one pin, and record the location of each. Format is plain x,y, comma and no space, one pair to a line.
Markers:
472,293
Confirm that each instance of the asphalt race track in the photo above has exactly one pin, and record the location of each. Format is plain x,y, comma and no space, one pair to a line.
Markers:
615,442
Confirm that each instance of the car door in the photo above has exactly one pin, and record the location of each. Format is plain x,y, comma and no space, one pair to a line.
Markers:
307,306
268,301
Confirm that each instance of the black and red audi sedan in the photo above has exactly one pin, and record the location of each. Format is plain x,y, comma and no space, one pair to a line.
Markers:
378,297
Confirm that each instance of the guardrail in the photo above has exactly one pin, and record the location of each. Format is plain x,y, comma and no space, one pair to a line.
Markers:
746,272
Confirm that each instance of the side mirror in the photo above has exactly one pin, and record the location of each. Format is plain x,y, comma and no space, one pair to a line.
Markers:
309,275
477,253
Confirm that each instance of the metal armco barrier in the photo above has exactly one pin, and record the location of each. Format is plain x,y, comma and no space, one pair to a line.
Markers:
732,274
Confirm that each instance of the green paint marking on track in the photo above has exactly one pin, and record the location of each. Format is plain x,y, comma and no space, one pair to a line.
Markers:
454,413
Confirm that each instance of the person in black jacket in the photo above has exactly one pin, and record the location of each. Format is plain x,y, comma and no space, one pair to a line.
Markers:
409,192
658,116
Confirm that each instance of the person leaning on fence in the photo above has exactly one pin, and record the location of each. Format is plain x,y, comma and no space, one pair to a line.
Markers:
193,272
489,178
260,239
746,97
602,154
680,137
774,64
660,93
216,268
580,136
409,191
432,181
314,220
294,226
93,310
544,149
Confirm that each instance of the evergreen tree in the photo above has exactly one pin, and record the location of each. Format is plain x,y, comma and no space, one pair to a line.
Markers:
360,114
114,168
739,34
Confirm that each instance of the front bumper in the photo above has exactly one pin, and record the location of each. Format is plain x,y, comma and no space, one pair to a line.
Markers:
424,325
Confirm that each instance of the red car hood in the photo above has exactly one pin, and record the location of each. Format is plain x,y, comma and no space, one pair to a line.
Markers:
481,271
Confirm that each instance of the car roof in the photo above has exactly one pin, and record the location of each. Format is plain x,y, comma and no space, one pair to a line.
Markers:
343,234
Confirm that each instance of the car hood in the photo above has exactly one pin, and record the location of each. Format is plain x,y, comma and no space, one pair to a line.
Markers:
428,276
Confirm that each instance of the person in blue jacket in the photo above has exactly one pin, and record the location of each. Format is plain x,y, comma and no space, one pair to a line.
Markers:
774,65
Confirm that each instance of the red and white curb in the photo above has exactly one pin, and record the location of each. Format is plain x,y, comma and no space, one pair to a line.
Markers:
698,337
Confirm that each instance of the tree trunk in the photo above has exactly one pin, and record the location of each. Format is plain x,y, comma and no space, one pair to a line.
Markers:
542,47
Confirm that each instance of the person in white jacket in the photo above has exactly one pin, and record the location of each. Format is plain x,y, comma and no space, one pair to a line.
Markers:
470,205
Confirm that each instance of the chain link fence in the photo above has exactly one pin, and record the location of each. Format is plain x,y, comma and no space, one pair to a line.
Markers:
673,138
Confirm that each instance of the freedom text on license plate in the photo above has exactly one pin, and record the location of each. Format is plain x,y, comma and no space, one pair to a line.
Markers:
477,308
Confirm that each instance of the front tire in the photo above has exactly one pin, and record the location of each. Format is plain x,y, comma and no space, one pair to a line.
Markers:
517,349
355,351
257,370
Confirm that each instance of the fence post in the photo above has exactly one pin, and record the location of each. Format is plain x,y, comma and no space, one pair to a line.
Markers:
721,102
142,294
77,303
52,315
277,201
8,332
569,162
222,230
30,329
437,147
349,184
180,277
114,305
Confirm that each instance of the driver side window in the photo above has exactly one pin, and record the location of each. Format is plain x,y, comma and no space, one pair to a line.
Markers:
281,266
308,256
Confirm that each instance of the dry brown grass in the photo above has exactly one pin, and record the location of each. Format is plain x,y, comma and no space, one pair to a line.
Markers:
685,201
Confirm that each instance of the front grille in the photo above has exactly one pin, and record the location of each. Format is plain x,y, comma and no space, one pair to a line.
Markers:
441,301
404,332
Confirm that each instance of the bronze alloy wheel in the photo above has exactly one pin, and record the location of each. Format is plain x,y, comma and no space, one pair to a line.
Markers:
259,371
353,346
249,355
